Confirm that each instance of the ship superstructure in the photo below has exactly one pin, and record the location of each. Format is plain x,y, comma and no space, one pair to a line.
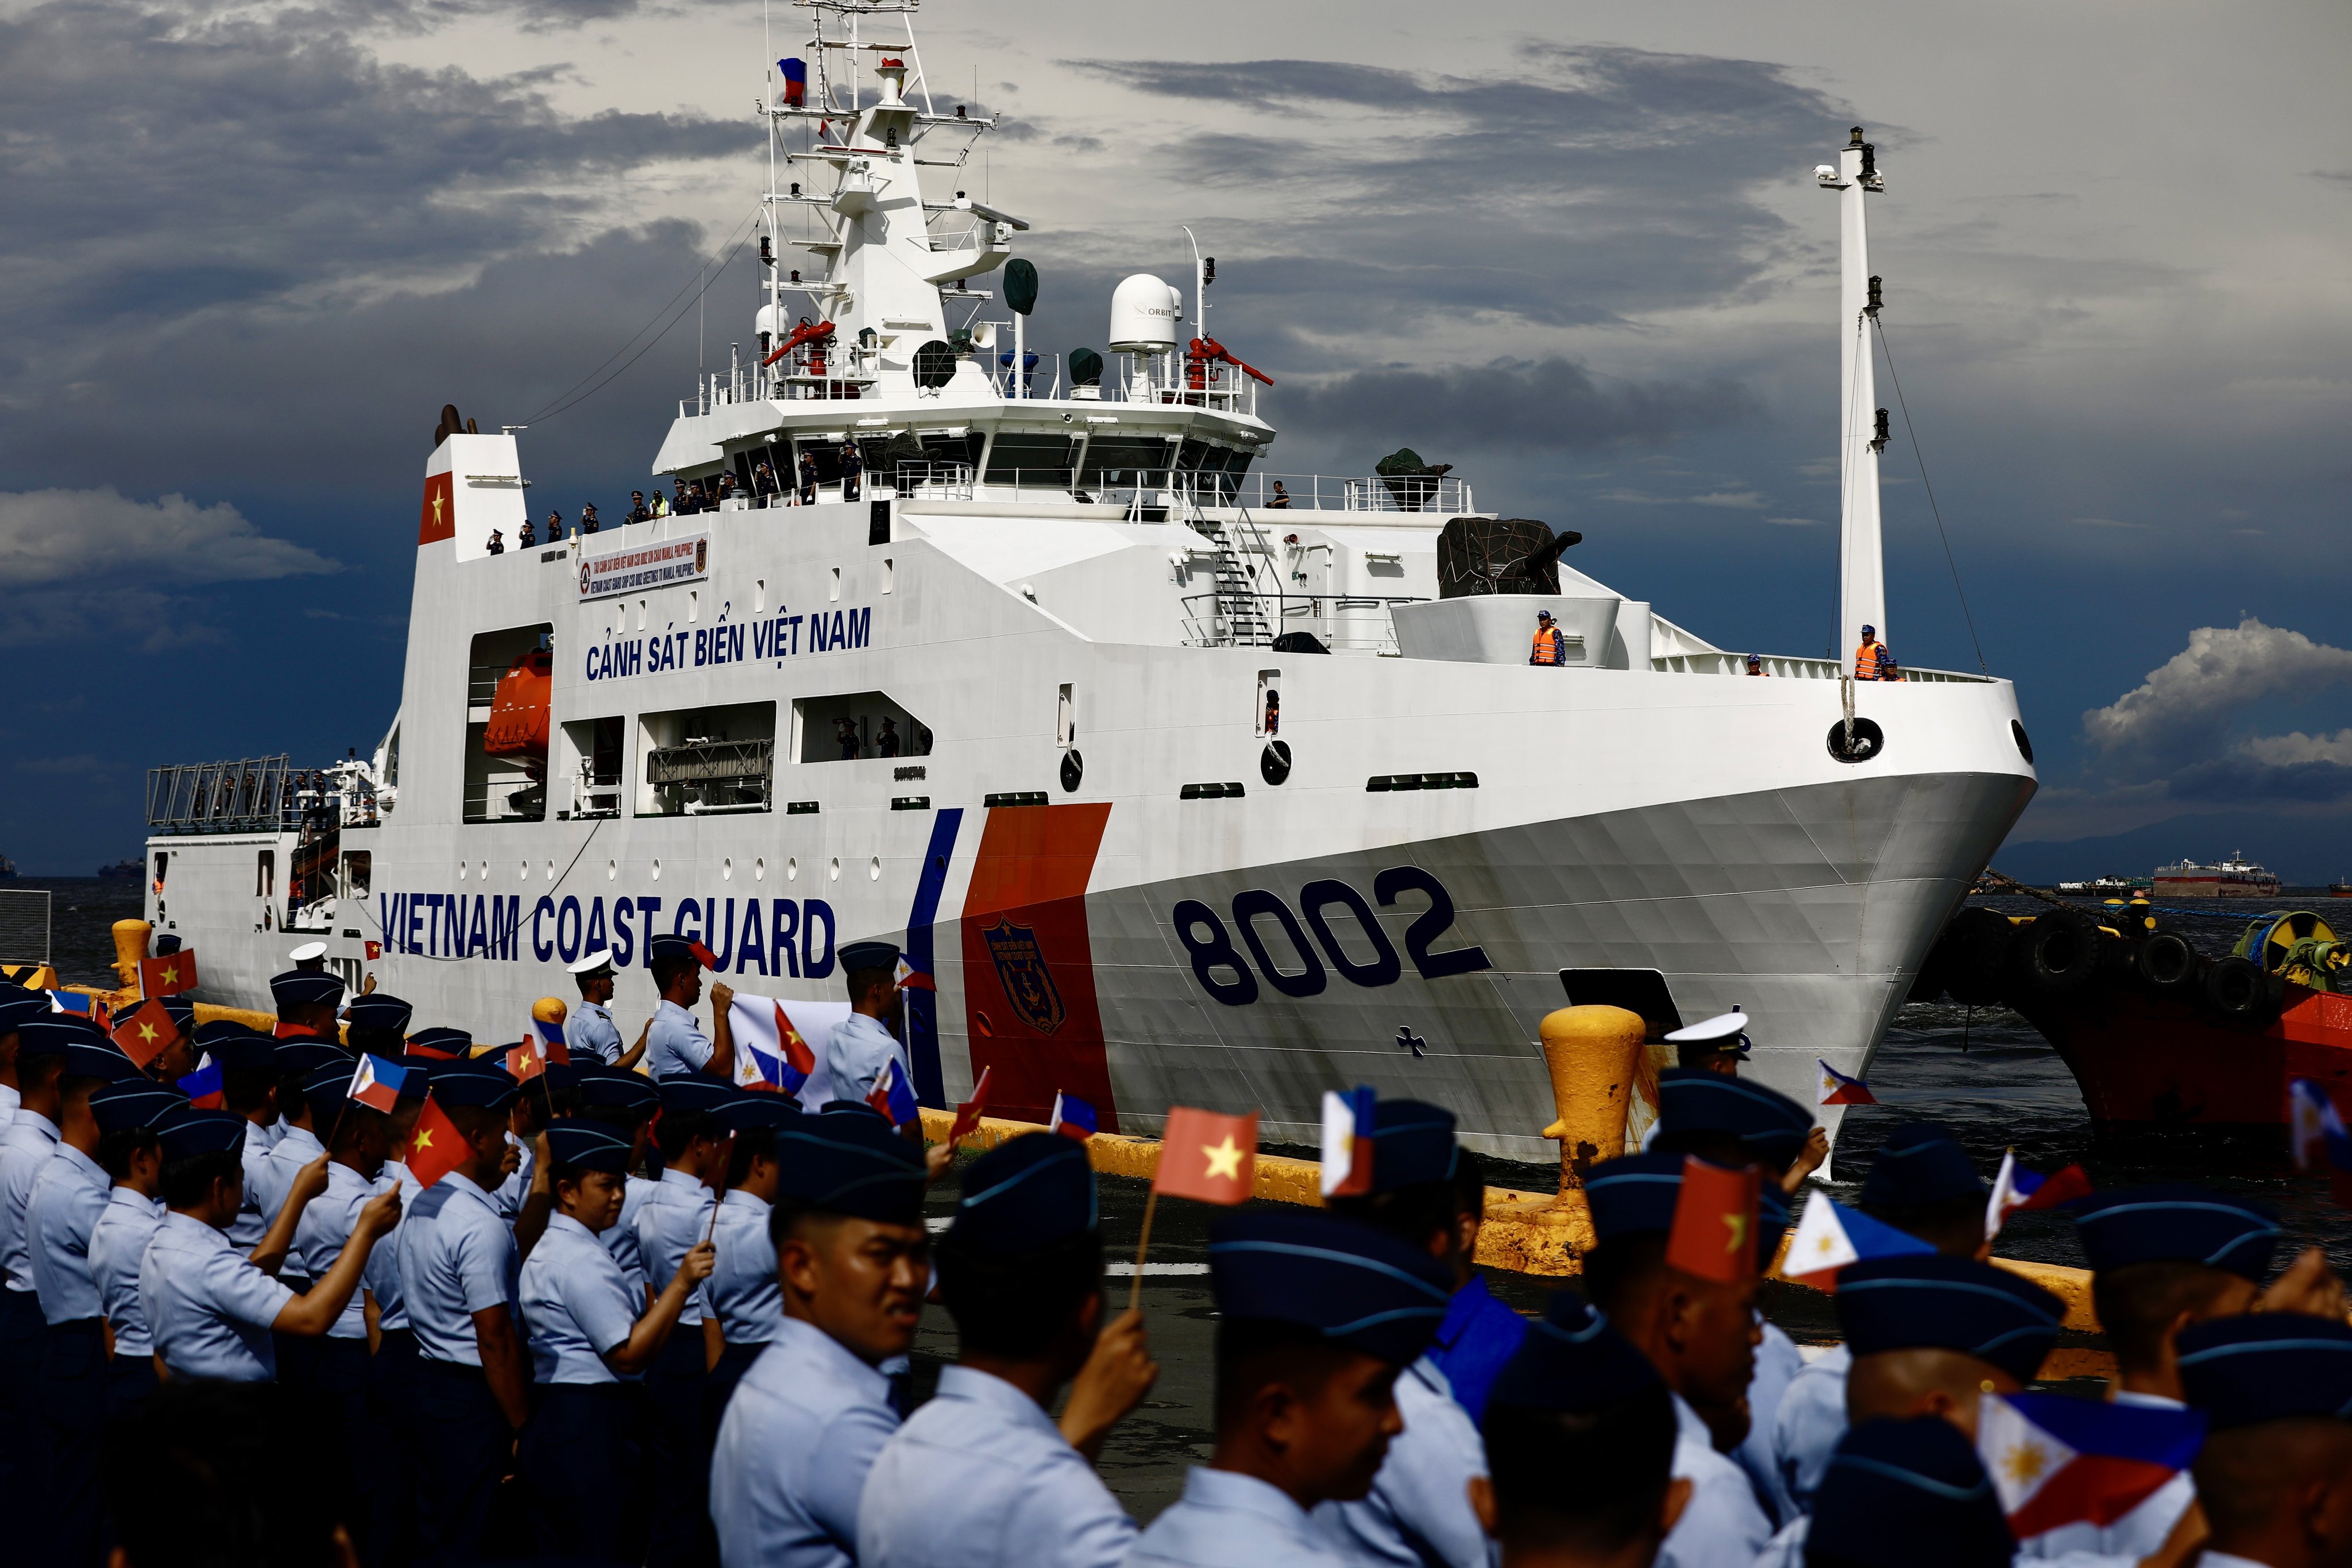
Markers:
1184,779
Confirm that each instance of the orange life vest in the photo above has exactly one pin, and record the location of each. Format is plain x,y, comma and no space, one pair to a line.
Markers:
1868,661
1549,648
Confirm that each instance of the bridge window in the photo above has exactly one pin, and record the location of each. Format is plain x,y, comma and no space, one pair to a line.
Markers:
1125,461
1031,457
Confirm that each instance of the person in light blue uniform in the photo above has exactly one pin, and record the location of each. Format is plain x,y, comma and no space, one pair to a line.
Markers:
26,1147
675,1043
2275,1474
589,1032
1910,1494
1418,1511
309,1003
983,1477
377,1024
132,1154
744,1294
1922,1182
458,1263
1317,1316
300,1058
860,1044
694,1147
392,1369
592,1337
248,1062
625,1103
440,1043
1580,1436
17,1008
808,1419
1700,1334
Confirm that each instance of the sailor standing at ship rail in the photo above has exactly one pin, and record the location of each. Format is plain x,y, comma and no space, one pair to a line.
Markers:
676,1042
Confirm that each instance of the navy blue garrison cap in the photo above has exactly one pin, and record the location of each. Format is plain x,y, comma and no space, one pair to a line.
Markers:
18,1004
1929,1301
1412,1144
379,1010
1635,1195
181,1010
236,1047
661,947
326,1093
2267,1367
297,987
1920,1162
95,1056
1355,1286
188,1132
450,1045
853,1108
744,1112
1573,1361
133,1103
588,1146
859,955
2179,1222
484,1084
853,1165
306,1054
1770,1125
50,1034
561,1076
694,1092
1026,1194
1910,1494
619,1087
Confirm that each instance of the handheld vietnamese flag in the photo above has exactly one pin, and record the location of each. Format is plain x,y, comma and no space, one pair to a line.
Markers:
204,1089
525,1062
1714,1234
436,1148
893,1096
1830,1235
1838,1090
704,956
913,979
144,1035
1072,1118
2057,1460
1347,1143
968,1113
377,1083
2017,1189
1206,1155
169,974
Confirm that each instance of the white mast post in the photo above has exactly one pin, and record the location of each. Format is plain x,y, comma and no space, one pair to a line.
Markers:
1862,567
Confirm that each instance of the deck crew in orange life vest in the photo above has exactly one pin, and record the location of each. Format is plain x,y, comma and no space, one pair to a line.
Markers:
1549,646
1871,661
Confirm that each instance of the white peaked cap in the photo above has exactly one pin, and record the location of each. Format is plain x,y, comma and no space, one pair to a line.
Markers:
587,962
307,951
1722,1026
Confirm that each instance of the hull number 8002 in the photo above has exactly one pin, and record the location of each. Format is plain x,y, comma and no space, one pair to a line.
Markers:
1295,952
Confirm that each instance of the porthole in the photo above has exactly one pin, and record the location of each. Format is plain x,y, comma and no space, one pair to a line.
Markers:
1273,763
792,869
1866,744
874,871
612,870
2024,746
461,871
1074,769
726,869
760,870
657,871
833,874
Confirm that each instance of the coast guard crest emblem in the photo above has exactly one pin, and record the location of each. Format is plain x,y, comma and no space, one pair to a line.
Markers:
1021,970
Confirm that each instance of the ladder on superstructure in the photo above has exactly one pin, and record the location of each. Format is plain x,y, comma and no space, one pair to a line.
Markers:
1240,613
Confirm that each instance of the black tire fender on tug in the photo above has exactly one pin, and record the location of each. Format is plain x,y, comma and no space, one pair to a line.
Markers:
2166,964
2057,952
1973,958
2240,989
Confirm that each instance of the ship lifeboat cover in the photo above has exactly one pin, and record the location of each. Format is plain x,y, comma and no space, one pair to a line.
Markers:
517,723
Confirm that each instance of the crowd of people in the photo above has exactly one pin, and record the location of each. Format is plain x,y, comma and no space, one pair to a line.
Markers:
353,1291
689,496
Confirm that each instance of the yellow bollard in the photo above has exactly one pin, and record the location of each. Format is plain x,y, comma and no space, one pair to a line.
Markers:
130,947
1595,1055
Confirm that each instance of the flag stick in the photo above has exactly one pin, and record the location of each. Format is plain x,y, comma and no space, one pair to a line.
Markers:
1143,1246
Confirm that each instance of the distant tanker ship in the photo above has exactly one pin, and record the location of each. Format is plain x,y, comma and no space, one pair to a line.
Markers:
2235,877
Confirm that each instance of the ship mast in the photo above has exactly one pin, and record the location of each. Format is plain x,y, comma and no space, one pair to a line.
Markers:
1861,423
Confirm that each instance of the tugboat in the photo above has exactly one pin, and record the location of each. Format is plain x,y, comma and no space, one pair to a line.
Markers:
2156,1034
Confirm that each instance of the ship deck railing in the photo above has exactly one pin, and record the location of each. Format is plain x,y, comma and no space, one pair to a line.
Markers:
1142,493
849,369
1342,623
252,795
1783,667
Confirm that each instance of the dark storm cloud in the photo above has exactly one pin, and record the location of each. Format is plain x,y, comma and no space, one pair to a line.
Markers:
2242,781
1554,403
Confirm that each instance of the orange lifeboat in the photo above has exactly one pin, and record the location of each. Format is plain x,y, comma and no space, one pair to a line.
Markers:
518,725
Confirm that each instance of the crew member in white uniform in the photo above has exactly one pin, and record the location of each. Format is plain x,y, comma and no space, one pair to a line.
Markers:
860,1044
589,1032
676,1042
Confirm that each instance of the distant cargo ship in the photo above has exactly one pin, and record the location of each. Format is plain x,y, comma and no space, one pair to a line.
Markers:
2098,888
124,869
2235,877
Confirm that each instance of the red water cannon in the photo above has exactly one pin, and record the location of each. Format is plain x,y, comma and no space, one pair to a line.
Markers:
1206,351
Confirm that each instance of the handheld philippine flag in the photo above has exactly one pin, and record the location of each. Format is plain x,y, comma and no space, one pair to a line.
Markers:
2016,1190
80,1002
1838,1090
1072,1118
2057,1460
436,1148
168,975
2316,1132
913,979
144,1035
968,1113
204,1089
1714,1234
1347,1143
377,1083
1206,1155
547,1033
893,1096
1830,1235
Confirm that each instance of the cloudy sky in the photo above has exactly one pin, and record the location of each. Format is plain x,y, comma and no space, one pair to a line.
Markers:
252,248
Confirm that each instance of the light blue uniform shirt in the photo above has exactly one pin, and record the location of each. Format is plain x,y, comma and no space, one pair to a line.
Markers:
590,1034
246,1231
1810,1420
26,1146
327,1223
9,1101
516,1187
854,1054
621,1241
1778,1362
798,1437
982,1478
576,1305
381,1279
678,1043
1418,1511
275,1177
1225,1519
68,1197
1723,1526
208,1310
676,1216
117,1246
457,1258
745,1295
